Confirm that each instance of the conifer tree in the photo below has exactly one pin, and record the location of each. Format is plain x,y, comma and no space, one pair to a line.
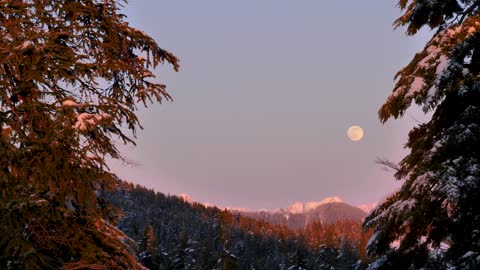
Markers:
434,218
148,247
71,76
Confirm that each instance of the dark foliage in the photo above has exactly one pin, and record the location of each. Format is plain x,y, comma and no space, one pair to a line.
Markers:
71,75
192,236
433,221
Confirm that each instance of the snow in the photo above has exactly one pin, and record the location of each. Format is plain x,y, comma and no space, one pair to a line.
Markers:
296,208
432,51
299,207
331,200
468,254
444,246
431,93
70,103
454,30
185,197
69,202
443,63
395,210
147,73
25,45
378,263
424,76
41,201
395,244
463,90
417,85
106,116
238,209
372,239
368,207
85,120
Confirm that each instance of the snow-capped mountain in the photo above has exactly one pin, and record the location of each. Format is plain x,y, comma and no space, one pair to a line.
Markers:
301,207
299,215
368,207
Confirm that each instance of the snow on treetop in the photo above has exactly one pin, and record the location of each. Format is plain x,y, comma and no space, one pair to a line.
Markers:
85,120
396,209
185,197
417,85
25,45
421,81
70,103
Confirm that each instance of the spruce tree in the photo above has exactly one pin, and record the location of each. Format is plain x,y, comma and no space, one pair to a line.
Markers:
148,248
71,76
433,220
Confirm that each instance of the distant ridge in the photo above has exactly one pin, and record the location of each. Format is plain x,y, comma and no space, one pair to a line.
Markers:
300,207
299,215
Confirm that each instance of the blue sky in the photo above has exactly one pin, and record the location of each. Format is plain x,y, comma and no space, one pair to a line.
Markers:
264,97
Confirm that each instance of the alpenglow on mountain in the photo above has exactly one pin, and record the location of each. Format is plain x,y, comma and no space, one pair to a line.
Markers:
299,215
175,233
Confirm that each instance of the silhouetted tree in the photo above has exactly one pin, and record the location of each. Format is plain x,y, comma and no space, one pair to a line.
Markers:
434,218
71,74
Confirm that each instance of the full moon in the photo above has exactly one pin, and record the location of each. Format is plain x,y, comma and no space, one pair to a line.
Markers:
355,133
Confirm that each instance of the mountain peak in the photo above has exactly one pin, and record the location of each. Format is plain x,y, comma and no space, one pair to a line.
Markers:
301,214
368,207
301,207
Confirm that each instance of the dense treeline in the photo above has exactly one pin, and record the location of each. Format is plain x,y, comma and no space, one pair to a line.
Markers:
174,234
326,213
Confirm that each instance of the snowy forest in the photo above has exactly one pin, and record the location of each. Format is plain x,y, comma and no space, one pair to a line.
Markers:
174,234
74,77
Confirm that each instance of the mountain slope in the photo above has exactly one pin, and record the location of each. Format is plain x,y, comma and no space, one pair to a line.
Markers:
175,234
299,215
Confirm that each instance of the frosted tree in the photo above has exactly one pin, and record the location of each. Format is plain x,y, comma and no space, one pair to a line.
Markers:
71,76
434,219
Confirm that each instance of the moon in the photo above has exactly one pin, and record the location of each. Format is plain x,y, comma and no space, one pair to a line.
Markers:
355,133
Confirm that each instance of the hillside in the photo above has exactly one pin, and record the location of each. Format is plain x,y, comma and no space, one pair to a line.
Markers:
187,235
300,215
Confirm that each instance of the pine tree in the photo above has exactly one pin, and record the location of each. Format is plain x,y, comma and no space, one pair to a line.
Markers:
71,75
148,247
434,218
180,253
297,258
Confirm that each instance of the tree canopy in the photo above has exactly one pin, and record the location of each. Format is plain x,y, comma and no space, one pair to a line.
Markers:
433,219
72,74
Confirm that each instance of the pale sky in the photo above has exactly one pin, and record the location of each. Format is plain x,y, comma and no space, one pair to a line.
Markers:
264,97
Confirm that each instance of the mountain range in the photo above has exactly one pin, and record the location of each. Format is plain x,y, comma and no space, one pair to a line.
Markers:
173,232
299,215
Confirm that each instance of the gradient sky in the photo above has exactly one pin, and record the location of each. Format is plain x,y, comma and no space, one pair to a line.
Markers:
266,92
